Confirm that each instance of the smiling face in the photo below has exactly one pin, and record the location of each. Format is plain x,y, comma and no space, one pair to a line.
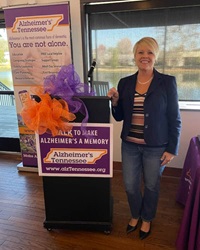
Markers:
146,52
145,57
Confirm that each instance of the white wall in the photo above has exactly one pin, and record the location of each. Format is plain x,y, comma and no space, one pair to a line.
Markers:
190,119
190,128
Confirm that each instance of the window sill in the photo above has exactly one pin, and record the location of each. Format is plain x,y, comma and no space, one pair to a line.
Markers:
187,105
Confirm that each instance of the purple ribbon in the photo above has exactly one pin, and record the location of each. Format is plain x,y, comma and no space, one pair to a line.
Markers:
67,86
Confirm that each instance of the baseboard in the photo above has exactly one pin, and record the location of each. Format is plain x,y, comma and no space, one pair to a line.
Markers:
169,171
174,172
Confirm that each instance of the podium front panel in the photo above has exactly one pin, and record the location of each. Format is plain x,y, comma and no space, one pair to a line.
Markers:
80,202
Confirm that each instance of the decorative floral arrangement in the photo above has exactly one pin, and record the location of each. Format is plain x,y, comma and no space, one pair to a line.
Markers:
55,104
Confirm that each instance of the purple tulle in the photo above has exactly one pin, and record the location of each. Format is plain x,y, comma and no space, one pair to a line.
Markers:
67,86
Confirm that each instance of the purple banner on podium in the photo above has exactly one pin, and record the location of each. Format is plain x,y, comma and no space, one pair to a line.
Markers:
79,152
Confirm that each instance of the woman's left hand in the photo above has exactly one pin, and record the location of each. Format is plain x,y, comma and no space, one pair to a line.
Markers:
166,158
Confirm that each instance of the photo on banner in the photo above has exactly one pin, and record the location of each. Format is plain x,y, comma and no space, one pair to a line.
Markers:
39,40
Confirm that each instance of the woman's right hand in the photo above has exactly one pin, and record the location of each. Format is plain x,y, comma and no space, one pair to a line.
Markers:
113,95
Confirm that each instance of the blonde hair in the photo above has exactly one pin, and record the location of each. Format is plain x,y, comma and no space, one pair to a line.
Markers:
150,42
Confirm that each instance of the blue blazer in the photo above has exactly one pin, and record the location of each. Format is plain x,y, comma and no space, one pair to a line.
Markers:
162,122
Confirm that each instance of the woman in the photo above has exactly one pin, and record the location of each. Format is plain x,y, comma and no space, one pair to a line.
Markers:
147,102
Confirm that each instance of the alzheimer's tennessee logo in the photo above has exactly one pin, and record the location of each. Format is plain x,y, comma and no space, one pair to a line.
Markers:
73,155
36,23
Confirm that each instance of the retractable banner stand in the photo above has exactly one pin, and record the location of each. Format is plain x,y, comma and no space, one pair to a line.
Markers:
39,45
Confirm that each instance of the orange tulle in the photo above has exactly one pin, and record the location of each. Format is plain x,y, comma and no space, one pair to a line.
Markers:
48,115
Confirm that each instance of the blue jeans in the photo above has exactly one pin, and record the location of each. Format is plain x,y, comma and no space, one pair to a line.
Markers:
141,161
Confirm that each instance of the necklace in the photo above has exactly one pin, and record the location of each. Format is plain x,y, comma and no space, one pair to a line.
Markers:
145,82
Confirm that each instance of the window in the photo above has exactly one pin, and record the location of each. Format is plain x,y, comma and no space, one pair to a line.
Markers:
6,82
112,35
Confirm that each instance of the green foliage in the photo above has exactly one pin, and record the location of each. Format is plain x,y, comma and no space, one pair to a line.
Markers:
114,58
3,49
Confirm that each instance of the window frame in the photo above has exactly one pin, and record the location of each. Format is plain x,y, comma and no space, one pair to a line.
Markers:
2,19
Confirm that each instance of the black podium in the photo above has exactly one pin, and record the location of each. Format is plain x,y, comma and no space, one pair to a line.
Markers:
81,202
